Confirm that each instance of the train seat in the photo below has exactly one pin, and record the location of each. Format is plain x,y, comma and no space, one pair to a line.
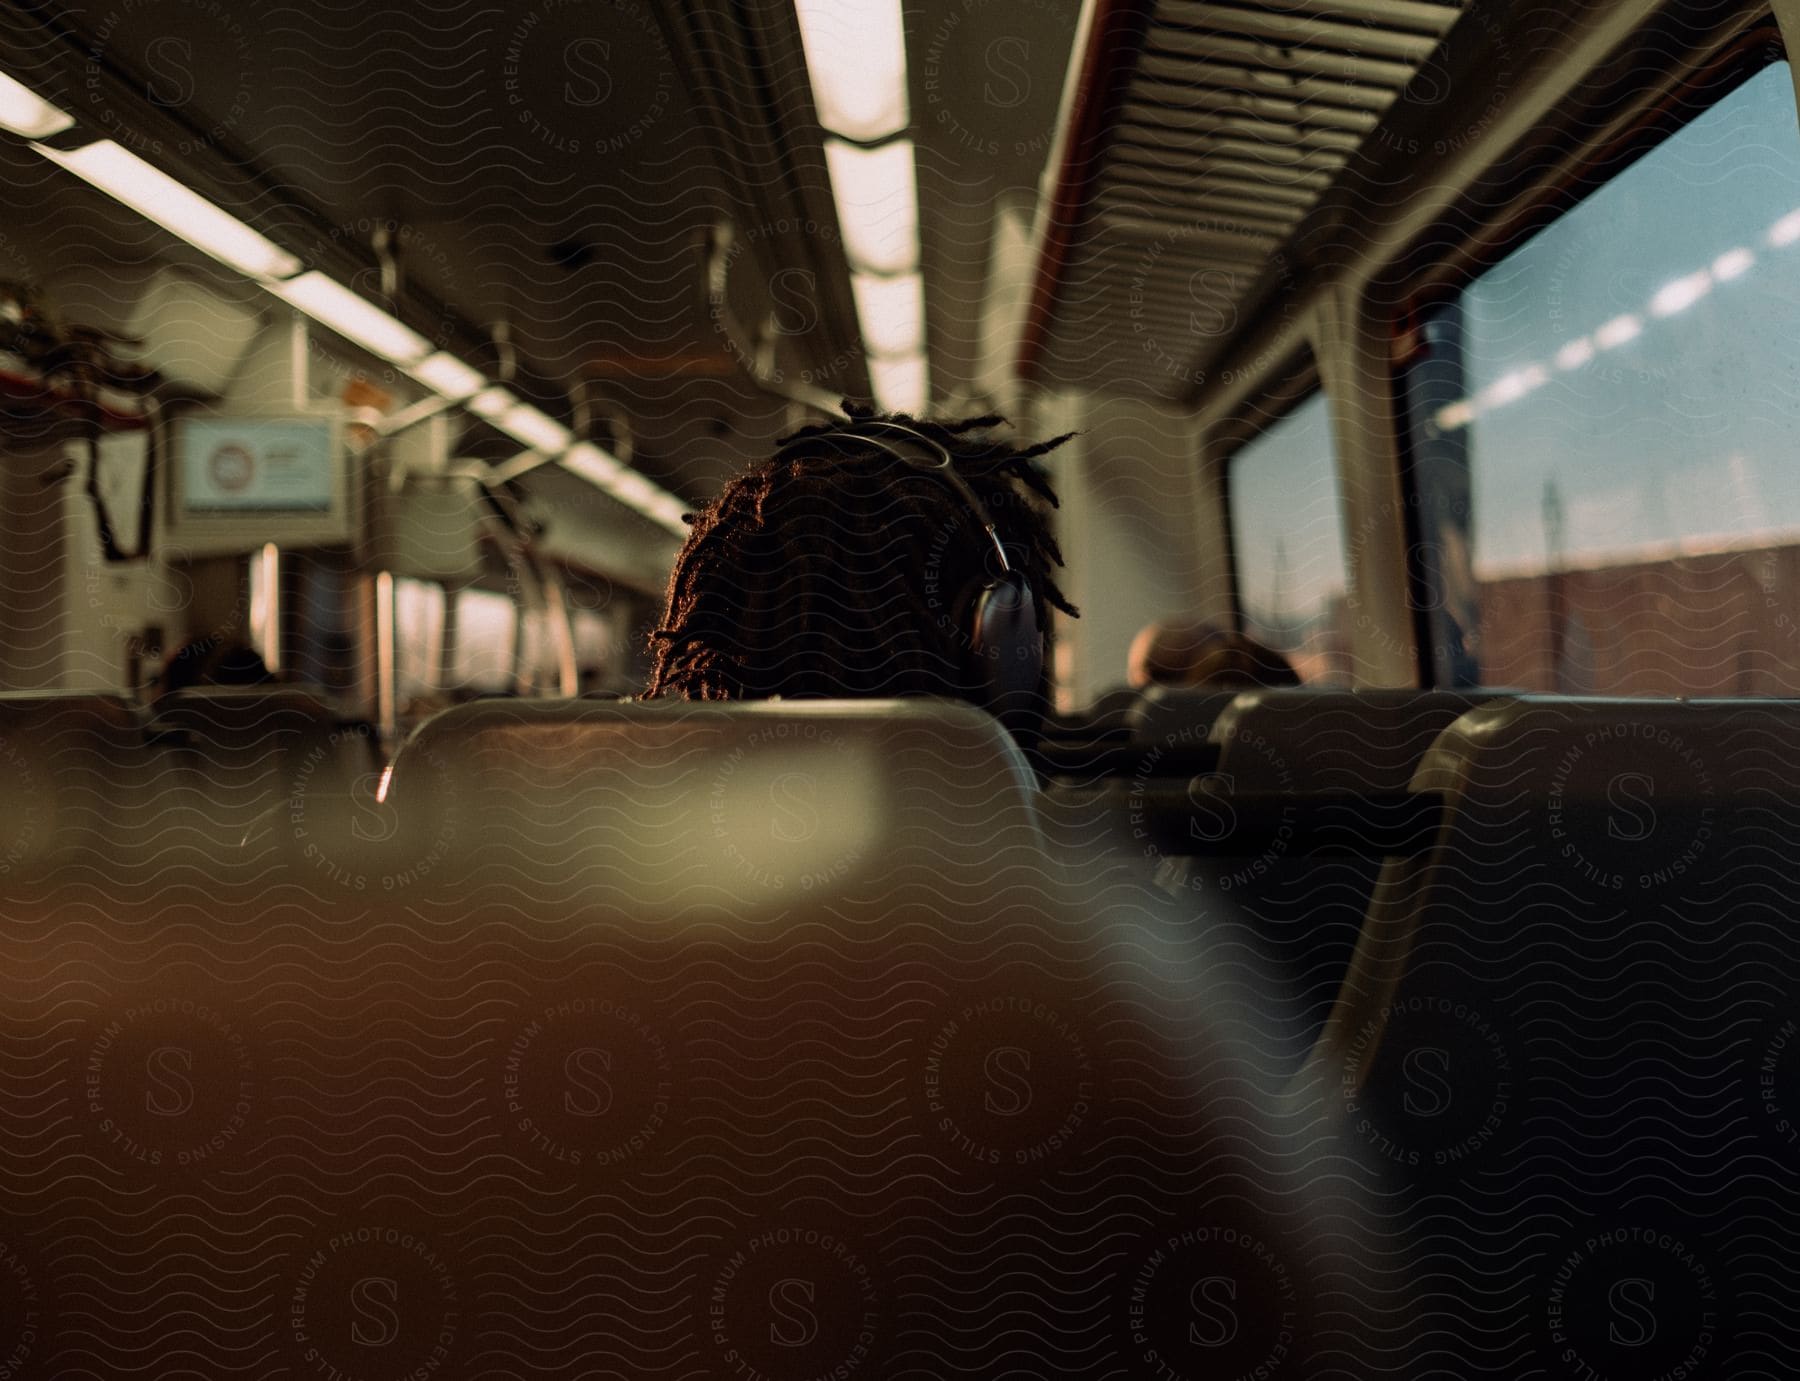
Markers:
1176,720
761,804
1569,1027
678,1051
1289,830
1325,741
74,768
1159,734
239,760
1107,717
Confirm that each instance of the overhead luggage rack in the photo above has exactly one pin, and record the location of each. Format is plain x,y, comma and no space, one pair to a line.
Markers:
1187,172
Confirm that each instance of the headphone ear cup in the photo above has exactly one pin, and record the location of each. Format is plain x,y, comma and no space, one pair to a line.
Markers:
1008,646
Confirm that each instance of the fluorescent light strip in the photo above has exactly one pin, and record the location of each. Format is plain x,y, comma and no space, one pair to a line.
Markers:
877,204
634,489
899,383
158,197
1618,331
892,312
604,472
1733,263
161,199
1681,294
24,112
491,402
542,433
448,377
1575,354
592,464
353,317
670,512
856,57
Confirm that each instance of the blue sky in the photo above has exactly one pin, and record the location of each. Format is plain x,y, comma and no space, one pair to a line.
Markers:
1689,429
1644,350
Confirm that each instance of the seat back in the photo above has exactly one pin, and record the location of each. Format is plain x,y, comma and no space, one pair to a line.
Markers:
1174,721
253,766
1569,1027
1322,742
75,770
581,1099
759,806
1108,716
1312,780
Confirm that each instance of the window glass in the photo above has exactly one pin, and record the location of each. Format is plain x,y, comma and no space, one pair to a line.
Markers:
537,648
1604,433
418,641
593,634
485,621
1288,540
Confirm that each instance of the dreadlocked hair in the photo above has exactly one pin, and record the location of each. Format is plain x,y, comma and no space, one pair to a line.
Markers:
839,569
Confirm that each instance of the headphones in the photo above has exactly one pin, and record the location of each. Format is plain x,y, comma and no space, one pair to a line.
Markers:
1005,645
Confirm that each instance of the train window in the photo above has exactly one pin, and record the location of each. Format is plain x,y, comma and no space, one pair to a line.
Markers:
1288,541
485,625
537,647
593,635
419,641
1603,430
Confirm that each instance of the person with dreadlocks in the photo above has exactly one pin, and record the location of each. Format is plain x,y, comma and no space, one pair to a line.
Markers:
846,566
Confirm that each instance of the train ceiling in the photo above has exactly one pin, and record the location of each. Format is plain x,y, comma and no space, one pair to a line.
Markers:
1206,132
559,166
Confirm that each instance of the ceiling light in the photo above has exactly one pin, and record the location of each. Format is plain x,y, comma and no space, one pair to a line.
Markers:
1575,354
492,402
154,194
1681,294
354,318
856,57
591,463
877,204
24,112
447,376
1511,387
632,488
525,423
1454,415
899,383
1733,263
892,312
1618,331
672,513
1785,231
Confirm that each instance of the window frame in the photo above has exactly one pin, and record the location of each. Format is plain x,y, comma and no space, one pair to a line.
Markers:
1299,382
1532,203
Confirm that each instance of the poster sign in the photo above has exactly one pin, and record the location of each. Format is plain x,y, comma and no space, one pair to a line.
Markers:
257,465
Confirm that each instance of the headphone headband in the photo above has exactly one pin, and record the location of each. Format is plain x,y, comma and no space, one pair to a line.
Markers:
941,463
1005,645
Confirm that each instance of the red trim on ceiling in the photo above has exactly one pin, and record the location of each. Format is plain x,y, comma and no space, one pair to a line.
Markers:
1114,44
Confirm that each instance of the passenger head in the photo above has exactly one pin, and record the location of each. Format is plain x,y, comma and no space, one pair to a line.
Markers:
848,567
1192,652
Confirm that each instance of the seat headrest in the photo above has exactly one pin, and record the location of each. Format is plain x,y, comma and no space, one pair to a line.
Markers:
63,759
1323,739
1181,711
240,709
759,803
